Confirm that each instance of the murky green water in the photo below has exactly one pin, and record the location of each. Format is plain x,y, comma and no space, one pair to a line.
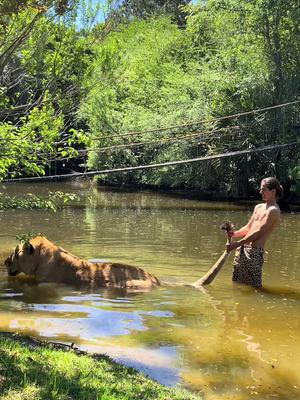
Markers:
228,341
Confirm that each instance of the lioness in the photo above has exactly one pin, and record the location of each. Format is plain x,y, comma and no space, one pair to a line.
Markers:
49,263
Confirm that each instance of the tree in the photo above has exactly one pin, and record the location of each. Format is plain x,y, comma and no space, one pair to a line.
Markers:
129,9
18,19
40,85
150,74
254,46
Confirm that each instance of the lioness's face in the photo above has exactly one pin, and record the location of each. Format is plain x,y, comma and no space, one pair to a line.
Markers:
21,260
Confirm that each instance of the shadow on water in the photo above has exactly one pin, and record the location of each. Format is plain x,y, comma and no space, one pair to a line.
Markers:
281,292
30,291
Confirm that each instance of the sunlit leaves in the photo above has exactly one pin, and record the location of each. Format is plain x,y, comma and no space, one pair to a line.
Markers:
149,74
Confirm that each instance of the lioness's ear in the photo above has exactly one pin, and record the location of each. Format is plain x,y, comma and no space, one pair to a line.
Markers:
28,248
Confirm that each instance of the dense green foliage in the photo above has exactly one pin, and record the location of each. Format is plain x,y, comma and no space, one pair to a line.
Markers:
40,85
39,92
32,372
232,57
67,92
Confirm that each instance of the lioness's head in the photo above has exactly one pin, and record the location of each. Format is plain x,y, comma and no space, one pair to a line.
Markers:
21,260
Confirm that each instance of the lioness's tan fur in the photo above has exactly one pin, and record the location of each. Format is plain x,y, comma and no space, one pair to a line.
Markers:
50,263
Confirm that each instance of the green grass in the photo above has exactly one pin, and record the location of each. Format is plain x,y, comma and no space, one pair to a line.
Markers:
33,371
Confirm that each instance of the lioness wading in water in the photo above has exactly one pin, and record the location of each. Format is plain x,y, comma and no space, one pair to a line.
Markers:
249,256
47,262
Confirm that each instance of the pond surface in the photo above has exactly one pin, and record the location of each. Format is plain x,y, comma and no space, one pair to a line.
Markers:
227,341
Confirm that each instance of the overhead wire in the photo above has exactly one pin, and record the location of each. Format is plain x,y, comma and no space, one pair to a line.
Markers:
158,165
205,120
199,135
169,139
81,153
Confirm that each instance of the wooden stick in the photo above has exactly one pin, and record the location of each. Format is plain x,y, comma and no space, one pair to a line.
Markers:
216,268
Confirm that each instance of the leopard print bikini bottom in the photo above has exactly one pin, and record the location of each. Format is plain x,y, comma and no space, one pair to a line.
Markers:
247,265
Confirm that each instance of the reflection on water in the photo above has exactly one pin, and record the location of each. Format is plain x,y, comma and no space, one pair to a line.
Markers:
227,341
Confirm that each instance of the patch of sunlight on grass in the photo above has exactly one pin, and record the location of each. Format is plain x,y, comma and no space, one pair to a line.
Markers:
29,392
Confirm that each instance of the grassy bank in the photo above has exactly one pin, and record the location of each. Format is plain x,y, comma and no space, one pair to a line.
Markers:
31,370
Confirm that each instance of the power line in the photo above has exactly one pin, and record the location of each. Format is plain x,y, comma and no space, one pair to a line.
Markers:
199,135
177,126
176,138
80,153
160,165
214,119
